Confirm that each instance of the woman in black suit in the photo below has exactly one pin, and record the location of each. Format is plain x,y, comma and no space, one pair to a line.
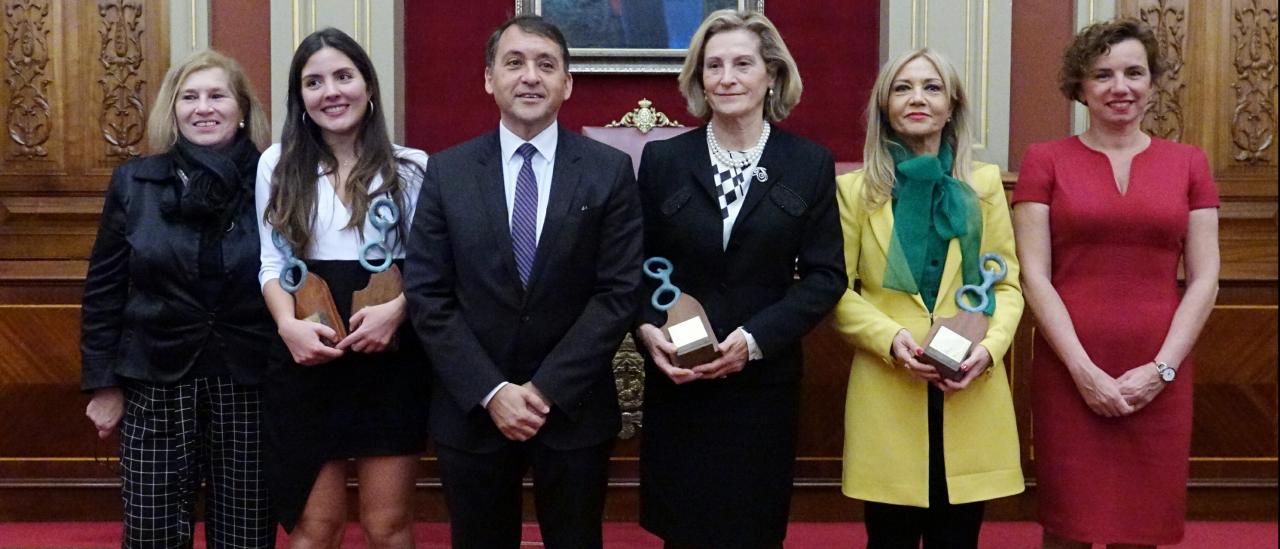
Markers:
173,332
740,208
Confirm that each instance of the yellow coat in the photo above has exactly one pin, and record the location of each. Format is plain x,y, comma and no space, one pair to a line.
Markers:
886,445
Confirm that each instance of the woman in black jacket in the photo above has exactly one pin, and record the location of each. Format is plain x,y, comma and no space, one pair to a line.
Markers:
174,331
746,215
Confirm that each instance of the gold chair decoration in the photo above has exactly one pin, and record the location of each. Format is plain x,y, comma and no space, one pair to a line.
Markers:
628,376
644,118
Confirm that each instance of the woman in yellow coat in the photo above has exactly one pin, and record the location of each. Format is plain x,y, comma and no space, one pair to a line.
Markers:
916,219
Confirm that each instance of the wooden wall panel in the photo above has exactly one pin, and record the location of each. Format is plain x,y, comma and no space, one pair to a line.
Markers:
85,74
1244,148
79,78
35,346
33,61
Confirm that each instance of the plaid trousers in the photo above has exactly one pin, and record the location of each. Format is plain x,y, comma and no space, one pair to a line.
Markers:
173,437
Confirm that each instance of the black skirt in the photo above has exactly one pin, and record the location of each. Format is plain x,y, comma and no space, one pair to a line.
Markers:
360,405
717,459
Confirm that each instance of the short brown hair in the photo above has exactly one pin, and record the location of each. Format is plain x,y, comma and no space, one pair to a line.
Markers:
1095,41
777,59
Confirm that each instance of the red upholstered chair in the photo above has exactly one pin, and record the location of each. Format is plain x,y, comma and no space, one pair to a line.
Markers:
846,167
630,132
644,124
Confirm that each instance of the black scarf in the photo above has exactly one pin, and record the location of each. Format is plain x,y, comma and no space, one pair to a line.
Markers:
210,186
211,182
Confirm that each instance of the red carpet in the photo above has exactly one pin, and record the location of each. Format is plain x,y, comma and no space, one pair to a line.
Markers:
619,535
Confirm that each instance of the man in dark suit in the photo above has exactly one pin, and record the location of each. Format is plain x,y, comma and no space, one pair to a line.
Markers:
521,274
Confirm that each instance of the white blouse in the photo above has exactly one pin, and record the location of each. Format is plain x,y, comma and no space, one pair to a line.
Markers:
328,239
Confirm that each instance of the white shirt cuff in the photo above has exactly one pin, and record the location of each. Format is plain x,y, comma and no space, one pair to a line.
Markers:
753,350
485,403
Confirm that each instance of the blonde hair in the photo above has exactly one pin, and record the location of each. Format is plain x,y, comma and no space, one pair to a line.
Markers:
878,165
162,123
777,59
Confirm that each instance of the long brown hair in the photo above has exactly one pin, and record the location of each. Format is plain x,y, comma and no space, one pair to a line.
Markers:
292,206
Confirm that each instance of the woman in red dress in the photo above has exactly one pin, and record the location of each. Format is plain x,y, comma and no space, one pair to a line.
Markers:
1102,220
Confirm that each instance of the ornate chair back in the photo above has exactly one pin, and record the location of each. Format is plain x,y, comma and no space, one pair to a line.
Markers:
630,132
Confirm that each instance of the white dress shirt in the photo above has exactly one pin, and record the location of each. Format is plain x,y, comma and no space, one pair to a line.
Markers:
735,207
544,163
328,238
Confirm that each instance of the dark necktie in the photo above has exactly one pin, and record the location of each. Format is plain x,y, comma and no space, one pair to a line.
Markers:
524,215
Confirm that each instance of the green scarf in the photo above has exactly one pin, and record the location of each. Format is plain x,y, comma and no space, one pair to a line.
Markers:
952,210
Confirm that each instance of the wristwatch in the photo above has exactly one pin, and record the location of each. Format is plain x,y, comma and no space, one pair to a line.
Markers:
1166,373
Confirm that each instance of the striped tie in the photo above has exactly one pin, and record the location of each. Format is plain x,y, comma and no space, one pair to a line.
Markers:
524,215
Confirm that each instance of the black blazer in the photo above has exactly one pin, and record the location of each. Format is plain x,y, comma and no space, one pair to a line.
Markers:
788,225
144,315
481,328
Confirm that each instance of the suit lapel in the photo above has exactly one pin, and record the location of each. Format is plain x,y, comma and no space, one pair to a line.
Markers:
493,195
950,273
882,226
700,165
565,178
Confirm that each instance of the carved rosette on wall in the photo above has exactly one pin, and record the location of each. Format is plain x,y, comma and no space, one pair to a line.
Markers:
1164,112
122,119
29,113
628,376
1253,45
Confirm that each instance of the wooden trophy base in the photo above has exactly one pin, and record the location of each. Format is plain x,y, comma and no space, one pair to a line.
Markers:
688,328
950,340
383,287
314,302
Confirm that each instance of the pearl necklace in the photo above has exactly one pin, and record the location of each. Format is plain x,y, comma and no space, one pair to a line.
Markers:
750,156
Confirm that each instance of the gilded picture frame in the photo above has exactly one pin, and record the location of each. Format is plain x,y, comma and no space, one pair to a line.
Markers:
628,36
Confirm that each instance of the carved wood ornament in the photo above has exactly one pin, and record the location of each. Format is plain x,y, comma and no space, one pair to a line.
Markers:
1164,112
29,113
1253,48
122,119
628,377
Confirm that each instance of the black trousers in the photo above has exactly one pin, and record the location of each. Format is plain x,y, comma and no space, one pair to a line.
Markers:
941,525
172,438
483,493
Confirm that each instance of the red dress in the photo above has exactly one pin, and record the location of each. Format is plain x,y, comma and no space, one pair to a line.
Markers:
1115,263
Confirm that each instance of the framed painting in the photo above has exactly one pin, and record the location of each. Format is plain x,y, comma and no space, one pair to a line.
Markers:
629,36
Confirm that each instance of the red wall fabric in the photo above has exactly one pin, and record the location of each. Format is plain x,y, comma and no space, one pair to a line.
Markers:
834,42
1037,110
242,30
